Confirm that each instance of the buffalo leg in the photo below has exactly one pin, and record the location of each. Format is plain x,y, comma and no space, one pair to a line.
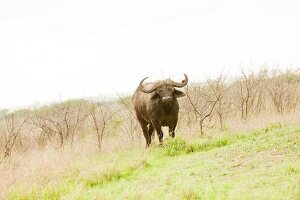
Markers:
159,132
150,132
145,131
172,129
146,135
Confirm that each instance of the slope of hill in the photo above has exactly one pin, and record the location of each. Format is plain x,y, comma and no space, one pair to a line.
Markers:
262,164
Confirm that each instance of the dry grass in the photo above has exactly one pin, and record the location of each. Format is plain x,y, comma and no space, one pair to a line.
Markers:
38,167
41,166
256,165
263,121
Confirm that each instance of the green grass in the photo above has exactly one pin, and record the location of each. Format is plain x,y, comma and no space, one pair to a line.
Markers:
258,165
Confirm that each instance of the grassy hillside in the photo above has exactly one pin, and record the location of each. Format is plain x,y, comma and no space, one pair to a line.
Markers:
262,164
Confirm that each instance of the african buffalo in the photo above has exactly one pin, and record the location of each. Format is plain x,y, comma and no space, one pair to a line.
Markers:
156,105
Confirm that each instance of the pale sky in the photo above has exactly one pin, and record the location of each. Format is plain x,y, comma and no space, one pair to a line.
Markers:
60,49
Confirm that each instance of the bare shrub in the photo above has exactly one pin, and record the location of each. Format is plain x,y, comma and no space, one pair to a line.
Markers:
60,122
283,88
221,91
10,130
249,92
127,121
201,101
101,116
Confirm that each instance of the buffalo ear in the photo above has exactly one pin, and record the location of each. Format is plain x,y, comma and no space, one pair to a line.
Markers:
178,93
154,96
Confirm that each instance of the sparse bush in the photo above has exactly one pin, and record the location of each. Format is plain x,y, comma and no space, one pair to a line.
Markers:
11,127
283,88
249,92
59,123
201,101
127,121
101,115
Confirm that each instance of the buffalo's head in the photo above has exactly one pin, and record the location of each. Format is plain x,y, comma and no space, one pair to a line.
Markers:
164,90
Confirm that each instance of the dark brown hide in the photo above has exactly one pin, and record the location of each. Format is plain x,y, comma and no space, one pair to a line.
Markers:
156,105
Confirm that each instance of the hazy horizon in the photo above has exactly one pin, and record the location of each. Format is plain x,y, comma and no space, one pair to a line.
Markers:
64,49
